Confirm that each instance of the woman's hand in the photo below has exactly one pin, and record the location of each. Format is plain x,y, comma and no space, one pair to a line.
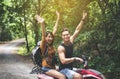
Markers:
39,19
58,14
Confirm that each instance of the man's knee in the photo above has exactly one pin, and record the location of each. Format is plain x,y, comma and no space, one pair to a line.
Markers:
62,77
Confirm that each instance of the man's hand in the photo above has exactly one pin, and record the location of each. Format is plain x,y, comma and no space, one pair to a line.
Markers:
84,15
79,59
39,19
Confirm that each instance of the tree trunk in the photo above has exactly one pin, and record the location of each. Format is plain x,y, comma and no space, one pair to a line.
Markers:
27,46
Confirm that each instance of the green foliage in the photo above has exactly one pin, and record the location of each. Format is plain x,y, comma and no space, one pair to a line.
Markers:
23,51
99,39
100,42
5,35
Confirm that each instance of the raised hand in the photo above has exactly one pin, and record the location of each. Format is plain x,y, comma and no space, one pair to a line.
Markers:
84,15
39,19
57,13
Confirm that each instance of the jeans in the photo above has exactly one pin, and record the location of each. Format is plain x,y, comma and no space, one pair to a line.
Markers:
45,69
68,73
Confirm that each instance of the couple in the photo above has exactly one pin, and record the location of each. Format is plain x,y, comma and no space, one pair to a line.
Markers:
65,50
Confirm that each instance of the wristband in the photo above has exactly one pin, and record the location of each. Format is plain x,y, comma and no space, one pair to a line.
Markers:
82,20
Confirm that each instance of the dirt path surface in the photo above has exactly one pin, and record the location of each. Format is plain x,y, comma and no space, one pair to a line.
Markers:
13,66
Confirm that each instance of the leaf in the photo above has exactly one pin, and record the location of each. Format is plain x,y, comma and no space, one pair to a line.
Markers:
7,3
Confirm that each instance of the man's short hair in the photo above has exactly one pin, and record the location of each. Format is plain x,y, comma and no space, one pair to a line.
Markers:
65,29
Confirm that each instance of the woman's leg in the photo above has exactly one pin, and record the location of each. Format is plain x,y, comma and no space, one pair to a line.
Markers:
55,74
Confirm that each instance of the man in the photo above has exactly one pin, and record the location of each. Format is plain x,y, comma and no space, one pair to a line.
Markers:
65,51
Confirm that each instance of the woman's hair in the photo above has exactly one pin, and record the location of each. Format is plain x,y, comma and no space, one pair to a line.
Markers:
47,33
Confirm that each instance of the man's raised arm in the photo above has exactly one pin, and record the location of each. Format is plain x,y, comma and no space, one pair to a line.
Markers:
78,28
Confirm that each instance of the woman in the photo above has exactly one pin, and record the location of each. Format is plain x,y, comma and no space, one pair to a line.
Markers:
48,65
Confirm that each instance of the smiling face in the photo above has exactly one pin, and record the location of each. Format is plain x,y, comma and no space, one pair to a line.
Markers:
66,36
49,38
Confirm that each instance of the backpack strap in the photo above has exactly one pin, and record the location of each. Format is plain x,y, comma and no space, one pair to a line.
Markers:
46,51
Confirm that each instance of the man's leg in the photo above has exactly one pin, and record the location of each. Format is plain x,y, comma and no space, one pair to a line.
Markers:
68,73
77,76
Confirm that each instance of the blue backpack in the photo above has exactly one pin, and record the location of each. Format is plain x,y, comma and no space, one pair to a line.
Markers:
37,58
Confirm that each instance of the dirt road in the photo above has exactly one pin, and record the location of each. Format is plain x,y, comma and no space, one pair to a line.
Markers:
13,66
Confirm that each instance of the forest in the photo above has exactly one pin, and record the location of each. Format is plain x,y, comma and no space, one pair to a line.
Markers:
99,38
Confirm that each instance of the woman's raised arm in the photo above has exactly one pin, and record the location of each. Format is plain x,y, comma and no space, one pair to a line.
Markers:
41,21
56,24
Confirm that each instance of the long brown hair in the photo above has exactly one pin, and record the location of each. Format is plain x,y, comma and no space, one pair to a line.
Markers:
49,32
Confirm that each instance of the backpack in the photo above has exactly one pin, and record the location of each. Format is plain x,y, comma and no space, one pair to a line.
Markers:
37,55
37,58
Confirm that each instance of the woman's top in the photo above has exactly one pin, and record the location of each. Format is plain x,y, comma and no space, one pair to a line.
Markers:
49,57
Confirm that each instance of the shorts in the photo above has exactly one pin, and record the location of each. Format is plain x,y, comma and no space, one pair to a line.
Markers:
68,73
45,69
